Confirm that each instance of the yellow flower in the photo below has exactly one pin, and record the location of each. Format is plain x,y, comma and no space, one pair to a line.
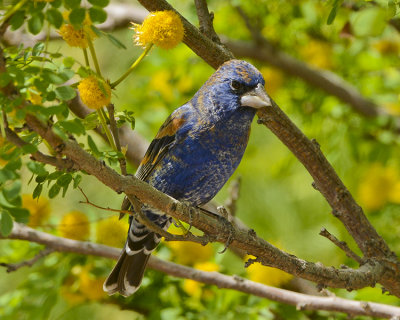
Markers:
77,37
94,92
112,232
163,28
379,185
267,275
39,209
90,286
34,96
317,53
74,225
194,288
190,253
160,82
273,79
70,291
387,46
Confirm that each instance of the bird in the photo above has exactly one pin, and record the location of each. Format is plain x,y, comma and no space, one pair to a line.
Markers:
194,153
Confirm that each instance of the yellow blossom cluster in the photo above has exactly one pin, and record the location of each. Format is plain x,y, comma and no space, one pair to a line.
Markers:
74,225
112,232
94,92
317,53
34,97
267,275
194,288
190,253
162,28
39,209
77,37
273,79
81,285
379,185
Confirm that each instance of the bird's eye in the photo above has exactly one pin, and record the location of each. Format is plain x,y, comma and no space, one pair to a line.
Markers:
236,85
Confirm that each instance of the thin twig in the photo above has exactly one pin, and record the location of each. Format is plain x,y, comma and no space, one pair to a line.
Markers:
342,245
114,130
303,301
28,263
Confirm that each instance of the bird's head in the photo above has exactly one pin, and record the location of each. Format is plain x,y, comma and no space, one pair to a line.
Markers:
236,84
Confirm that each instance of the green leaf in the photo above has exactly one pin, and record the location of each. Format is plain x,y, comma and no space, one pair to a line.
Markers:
74,126
37,49
77,16
68,62
29,149
115,41
37,191
64,180
54,190
332,14
12,191
70,4
83,72
65,93
17,19
54,17
77,180
369,22
6,175
5,79
37,168
20,214
54,175
6,223
35,23
91,121
97,15
93,146
100,3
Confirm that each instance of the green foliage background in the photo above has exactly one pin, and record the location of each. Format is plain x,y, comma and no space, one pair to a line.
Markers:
277,199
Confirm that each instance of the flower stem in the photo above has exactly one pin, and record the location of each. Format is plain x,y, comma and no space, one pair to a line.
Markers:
103,121
85,54
141,57
94,57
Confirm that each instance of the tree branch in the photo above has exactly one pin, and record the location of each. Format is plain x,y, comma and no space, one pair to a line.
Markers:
301,301
206,20
11,267
342,245
267,254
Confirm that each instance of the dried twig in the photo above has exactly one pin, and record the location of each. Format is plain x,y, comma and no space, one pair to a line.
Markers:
302,301
114,130
342,245
28,263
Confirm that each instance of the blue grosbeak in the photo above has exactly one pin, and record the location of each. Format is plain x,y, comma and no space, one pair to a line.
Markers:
194,153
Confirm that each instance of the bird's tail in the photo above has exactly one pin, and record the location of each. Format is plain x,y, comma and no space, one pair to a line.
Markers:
127,274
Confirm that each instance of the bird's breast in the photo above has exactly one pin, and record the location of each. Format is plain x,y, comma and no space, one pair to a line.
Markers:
196,168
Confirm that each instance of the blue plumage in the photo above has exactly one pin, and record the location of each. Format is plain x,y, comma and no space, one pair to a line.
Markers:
194,153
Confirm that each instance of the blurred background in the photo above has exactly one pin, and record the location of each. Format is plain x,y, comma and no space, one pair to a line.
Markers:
361,45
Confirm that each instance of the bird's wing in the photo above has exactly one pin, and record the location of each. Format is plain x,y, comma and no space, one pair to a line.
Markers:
166,137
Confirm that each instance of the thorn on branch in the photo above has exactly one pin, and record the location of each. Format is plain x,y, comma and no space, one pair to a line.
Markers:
314,185
252,234
206,19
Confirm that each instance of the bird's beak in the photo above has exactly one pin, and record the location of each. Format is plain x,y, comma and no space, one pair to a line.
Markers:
256,98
